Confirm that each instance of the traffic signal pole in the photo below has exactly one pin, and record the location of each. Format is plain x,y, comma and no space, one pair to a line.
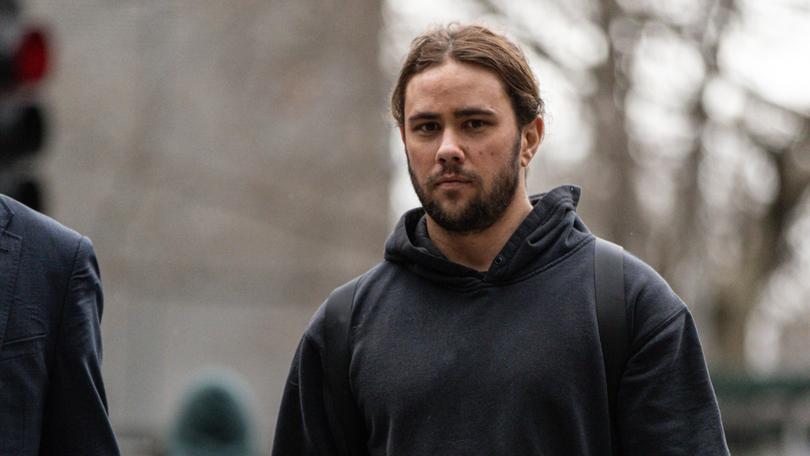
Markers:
23,67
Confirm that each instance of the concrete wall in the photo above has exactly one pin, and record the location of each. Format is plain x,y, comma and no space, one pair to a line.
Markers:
229,161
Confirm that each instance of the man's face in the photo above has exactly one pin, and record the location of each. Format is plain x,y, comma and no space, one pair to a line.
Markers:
463,145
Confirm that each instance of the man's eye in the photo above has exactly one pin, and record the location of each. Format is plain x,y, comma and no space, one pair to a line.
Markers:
427,127
474,124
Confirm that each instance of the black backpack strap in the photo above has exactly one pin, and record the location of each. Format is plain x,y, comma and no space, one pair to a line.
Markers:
611,315
344,418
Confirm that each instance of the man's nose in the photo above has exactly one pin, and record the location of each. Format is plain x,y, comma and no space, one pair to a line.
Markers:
450,150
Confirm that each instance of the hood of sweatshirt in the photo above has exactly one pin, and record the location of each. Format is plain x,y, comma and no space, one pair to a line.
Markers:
550,232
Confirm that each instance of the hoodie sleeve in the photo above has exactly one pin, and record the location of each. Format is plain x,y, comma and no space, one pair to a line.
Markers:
302,427
666,404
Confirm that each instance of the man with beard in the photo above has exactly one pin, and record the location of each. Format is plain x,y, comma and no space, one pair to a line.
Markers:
478,332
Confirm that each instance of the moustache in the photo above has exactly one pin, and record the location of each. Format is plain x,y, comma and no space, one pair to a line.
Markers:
452,170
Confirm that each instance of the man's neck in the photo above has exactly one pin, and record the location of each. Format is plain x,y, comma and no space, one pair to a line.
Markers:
477,250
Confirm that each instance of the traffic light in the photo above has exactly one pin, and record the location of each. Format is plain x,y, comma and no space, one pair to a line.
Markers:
23,66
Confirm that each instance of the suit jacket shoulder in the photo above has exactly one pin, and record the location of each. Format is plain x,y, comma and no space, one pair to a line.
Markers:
38,229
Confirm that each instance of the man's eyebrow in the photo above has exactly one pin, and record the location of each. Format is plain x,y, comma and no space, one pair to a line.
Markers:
473,111
462,112
423,116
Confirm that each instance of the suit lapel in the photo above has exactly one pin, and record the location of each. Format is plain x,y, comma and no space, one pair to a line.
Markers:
10,247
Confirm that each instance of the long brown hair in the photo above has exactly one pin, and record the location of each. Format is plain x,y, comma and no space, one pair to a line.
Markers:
475,45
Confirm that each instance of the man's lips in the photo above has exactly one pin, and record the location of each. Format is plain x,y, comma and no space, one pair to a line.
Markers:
449,182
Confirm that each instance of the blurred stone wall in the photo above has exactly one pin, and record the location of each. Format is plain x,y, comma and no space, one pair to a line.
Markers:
229,160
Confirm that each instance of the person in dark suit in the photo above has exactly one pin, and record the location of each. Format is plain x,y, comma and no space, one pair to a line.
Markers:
52,398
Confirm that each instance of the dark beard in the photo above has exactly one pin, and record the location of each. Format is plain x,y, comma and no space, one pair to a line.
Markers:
482,211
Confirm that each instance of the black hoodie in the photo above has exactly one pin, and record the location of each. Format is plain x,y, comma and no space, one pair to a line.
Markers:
447,360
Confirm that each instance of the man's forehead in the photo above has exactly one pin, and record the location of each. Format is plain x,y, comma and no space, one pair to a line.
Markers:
454,75
456,87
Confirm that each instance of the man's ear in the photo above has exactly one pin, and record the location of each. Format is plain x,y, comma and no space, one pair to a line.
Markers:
530,137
